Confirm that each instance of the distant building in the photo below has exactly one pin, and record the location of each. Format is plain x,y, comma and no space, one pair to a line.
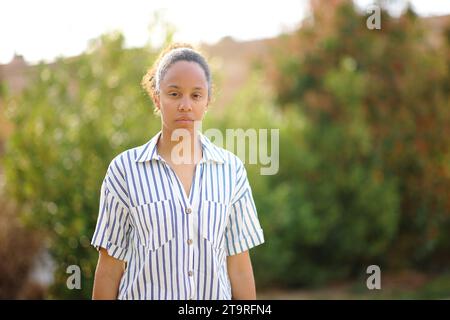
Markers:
15,74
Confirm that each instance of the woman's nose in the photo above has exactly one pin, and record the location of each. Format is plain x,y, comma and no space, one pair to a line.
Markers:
185,104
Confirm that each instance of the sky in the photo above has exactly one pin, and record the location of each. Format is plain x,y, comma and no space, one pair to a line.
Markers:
46,29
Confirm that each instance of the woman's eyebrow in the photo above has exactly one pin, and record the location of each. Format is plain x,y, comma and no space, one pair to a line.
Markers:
177,87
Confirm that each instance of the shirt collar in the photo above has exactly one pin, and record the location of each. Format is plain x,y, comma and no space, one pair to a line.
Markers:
148,151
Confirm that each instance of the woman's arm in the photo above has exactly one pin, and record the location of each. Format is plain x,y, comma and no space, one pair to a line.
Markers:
241,276
107,277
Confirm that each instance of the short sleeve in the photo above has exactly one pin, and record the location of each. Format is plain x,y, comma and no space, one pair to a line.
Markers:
113,226
243,230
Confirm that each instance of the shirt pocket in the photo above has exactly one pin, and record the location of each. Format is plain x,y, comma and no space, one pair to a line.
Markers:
153,222
214,221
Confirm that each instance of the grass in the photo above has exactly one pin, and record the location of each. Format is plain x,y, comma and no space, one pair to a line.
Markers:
408,285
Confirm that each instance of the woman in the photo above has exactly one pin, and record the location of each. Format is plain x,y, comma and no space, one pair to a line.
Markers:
172,226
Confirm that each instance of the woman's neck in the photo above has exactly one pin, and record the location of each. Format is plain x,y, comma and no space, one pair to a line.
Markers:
184,148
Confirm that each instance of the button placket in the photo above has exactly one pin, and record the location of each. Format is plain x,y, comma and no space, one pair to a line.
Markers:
190,220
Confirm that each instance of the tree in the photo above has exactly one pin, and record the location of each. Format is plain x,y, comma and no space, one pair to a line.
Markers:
377,104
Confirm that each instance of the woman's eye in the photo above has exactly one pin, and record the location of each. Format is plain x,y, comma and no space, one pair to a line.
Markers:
173,94
197,96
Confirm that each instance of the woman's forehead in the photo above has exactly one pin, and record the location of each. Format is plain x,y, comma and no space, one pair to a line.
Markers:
185,74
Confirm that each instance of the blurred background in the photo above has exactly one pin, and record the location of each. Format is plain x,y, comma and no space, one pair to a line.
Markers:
364,120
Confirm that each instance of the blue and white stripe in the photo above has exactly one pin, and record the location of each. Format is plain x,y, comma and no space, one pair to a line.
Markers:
176,245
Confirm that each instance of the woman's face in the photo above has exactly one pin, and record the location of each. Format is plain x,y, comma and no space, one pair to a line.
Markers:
183,96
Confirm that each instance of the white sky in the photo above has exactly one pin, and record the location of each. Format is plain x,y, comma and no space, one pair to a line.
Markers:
46,29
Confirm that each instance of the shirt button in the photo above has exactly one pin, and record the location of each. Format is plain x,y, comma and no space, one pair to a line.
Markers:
190,273
189,241
188,210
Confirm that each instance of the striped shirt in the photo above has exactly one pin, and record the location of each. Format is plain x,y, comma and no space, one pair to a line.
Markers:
176,245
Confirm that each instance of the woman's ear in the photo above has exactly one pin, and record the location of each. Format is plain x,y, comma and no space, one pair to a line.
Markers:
157,102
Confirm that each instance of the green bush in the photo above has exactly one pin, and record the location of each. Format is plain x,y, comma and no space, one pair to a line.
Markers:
374,174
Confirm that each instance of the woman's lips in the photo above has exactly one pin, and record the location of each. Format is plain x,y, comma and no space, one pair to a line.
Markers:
184,120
